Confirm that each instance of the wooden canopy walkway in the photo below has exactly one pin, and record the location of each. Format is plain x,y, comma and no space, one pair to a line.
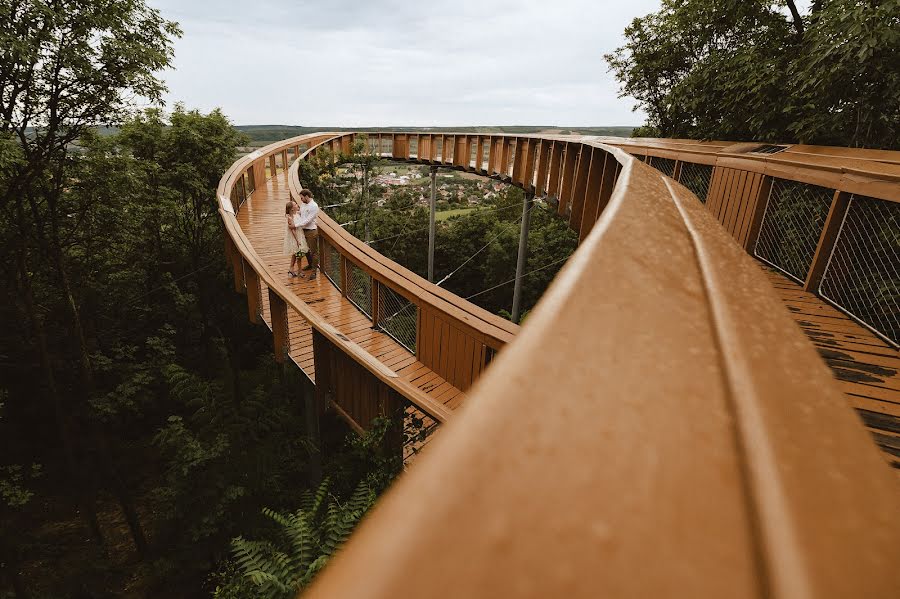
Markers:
663,425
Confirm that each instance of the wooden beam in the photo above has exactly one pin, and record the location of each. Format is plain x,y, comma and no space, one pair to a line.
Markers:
540,187
762,199
557,152
281,336
839,206
570,161
254,306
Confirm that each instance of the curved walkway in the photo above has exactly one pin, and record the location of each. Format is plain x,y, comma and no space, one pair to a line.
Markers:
261,218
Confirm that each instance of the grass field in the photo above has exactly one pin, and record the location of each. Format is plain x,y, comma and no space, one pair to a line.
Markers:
445,214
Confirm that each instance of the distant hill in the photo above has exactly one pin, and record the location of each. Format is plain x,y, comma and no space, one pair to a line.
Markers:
263,134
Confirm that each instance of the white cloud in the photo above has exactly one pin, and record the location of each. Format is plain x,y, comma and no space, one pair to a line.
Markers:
389,62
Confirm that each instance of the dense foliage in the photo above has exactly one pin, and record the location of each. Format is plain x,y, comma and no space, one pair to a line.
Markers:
761,70
475,252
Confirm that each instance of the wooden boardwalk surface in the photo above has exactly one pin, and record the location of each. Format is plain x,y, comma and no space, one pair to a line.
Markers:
262,220
867,368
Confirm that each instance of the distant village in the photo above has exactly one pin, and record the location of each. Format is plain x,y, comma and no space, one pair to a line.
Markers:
453,188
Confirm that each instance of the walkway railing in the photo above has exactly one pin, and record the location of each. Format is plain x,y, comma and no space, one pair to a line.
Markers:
661,427
829,218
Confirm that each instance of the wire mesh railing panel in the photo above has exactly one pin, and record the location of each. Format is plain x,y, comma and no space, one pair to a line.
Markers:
664,165
863,272
794,218
640,157
413,146
359,288
331,264
696,177
397,316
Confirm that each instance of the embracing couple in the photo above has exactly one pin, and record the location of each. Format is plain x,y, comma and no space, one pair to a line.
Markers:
301,234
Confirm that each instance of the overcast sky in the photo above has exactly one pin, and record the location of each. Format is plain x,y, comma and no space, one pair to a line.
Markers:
392,62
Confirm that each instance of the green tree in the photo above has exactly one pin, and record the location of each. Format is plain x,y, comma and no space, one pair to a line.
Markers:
67,68
752,70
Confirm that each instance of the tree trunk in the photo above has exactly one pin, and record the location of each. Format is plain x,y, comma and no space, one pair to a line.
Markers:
85,503
798,20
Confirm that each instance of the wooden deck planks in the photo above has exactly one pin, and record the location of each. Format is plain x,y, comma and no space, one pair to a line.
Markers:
261,219
867,368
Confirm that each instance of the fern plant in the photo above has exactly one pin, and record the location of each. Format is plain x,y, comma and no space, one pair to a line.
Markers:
306,538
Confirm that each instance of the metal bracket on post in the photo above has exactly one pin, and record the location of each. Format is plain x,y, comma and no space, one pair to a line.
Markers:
523,252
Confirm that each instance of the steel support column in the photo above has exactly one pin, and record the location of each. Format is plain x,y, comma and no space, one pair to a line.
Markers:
523,253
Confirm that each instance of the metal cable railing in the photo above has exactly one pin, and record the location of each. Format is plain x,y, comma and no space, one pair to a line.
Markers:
331,264
863,272
793,222
418,429
664,165
397,316
359,288
696,177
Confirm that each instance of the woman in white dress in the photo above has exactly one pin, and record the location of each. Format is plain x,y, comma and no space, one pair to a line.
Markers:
294,240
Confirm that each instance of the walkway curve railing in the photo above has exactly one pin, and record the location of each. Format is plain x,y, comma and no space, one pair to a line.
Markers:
661,427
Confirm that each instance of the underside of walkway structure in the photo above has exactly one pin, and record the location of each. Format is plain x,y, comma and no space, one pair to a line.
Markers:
690,410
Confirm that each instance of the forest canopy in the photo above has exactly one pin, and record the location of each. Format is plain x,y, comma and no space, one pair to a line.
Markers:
761,70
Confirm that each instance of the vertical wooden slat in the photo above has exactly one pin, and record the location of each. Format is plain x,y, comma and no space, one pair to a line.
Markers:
462,152
592,193
570,161
324,379
253,294
344,269
528,169
493,154
272,166
479,153
735,201
610,172
580,188
519,161
278,312
540,186
839,205
555,169
376,300
747,216
759,210
237,267
504,157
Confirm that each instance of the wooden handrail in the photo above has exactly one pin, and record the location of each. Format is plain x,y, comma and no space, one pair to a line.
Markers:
660,428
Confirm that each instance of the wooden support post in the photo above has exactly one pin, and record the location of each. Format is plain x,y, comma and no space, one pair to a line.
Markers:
543,169
839,206
504,157
254,304
376,301
610,173
556,164
579,190
570,161
284,159
762,199
592,194
676,173
281,337
344,273
324,390
272,166
479,154
237,267
313,429
493,153
528,169
519,161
